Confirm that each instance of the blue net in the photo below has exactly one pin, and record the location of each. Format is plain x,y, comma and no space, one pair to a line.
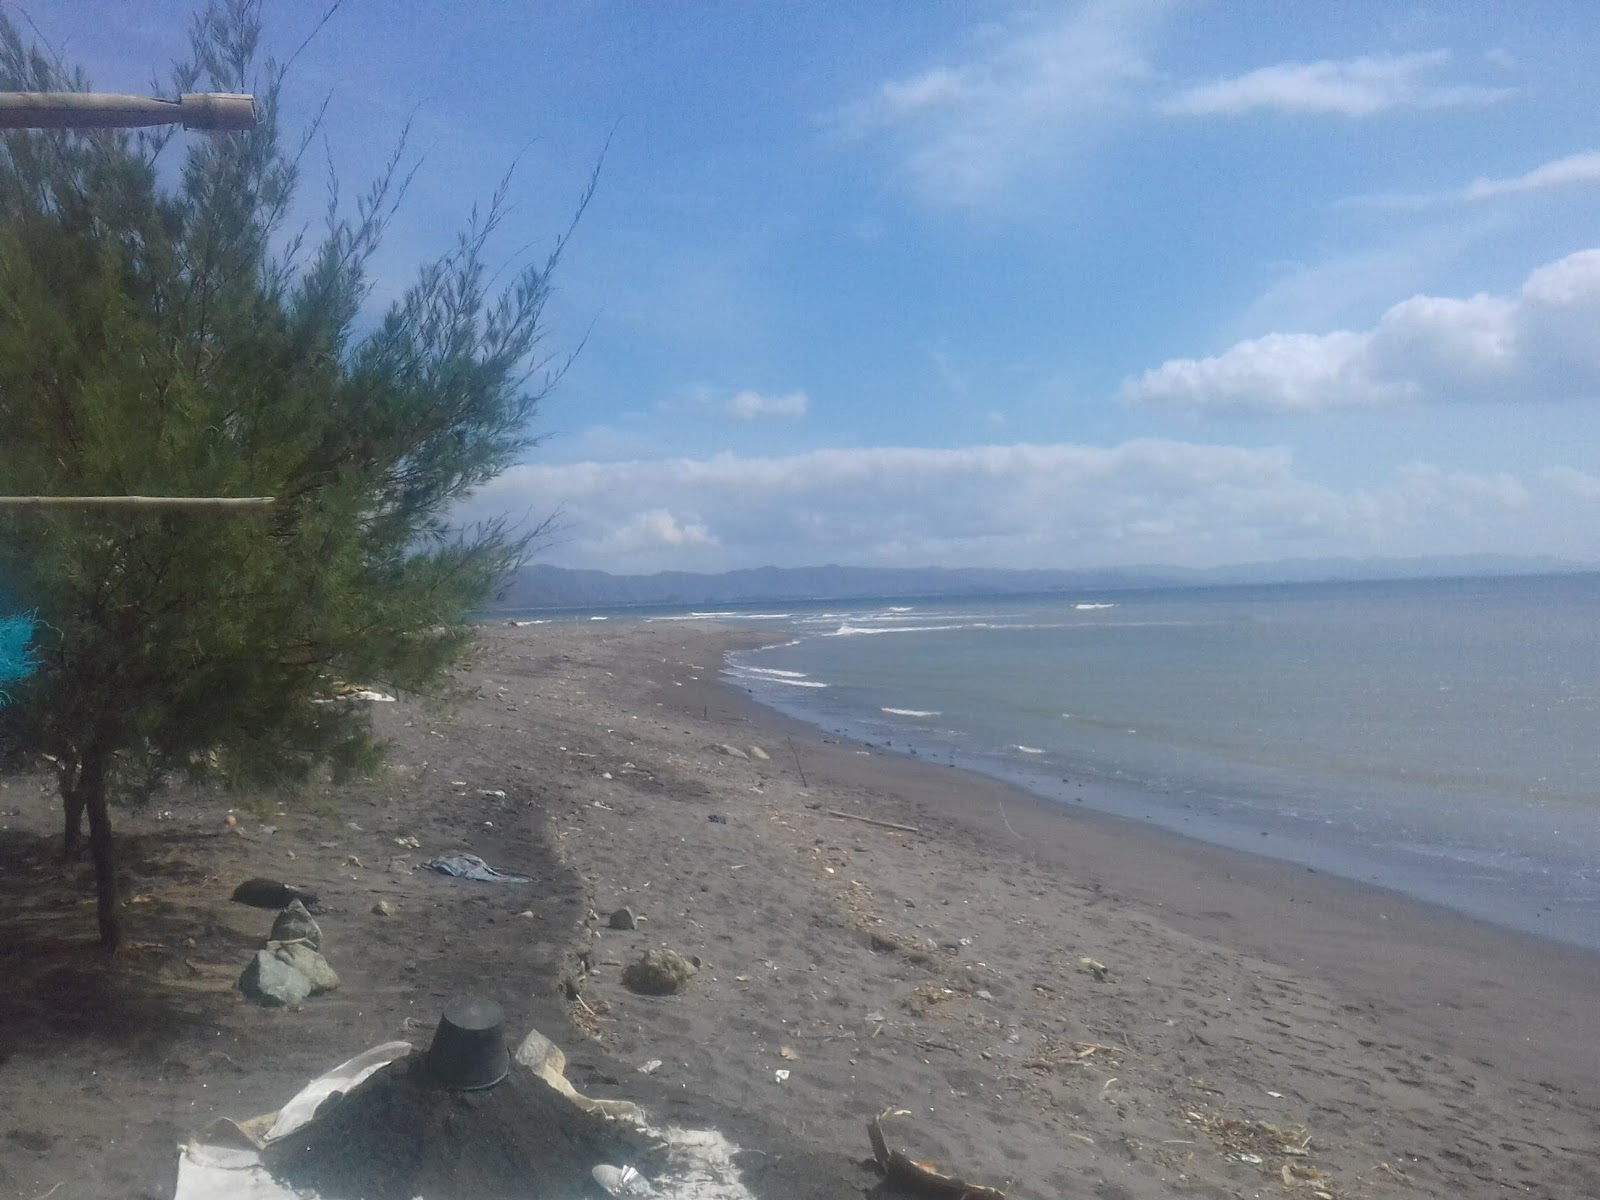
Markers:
16,662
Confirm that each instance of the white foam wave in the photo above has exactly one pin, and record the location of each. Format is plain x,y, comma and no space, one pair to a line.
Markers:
1028,749
773,671
1092,607
599,618
741,673
900,608
909,712
848,630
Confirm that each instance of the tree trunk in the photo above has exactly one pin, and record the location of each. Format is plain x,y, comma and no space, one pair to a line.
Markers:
91,795
71,807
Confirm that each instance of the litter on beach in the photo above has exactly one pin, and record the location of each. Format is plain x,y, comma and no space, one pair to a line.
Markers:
920,1178
470,866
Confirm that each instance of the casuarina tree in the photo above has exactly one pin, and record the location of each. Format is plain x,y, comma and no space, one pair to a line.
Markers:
162,333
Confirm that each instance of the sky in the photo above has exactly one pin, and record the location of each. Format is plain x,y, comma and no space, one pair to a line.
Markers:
909,283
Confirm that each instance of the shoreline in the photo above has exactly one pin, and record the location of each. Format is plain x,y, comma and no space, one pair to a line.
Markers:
1070,1003
1425,1052
1092,796
1212,890
1525,904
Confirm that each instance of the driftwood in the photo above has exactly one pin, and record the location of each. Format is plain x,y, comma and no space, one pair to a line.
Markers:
214,111
833,812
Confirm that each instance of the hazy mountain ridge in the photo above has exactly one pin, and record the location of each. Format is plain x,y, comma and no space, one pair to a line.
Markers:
542,586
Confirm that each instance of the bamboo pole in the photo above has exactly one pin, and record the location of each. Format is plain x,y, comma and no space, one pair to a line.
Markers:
214,111
135,501
833,812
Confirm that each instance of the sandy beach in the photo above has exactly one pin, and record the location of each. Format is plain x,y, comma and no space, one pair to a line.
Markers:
1067,1004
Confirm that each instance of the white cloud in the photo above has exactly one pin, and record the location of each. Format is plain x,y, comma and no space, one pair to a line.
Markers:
1575,484
1023,505
1352,87
749,405
655,531
1574,168
1538,344
1583,167
1031,98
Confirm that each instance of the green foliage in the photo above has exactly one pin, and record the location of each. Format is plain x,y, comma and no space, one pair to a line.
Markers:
161,334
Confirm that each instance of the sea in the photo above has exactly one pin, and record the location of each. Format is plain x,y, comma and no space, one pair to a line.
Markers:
1437,737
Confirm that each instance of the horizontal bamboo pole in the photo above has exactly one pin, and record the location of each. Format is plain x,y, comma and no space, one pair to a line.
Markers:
215,111
135,501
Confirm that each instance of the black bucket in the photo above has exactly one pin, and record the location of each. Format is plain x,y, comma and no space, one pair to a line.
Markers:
469,1047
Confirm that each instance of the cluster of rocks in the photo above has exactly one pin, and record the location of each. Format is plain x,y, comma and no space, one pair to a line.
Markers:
291,967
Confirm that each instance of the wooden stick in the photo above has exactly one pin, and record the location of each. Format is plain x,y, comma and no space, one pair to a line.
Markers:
135,501
214,111
874,821
797,765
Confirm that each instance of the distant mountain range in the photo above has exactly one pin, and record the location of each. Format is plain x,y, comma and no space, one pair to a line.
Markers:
541,586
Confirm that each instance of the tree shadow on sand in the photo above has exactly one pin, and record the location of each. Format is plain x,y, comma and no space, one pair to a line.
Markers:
63,994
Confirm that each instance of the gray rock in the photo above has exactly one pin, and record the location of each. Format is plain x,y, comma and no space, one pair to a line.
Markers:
658,973
756,752
294,924
399,866
269,893
730,751
310,964
270,981
383,909
623,918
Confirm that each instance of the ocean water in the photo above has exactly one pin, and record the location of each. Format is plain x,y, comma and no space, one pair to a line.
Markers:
1440,737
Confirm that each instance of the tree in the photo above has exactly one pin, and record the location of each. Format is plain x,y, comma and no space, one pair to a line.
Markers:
161,333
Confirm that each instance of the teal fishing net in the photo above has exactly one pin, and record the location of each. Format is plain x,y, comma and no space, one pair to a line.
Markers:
16,662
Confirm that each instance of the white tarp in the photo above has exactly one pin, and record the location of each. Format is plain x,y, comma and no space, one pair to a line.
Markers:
224,1162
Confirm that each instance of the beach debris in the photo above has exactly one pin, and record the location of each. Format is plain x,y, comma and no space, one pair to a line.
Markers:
492,793
1098,969
1258,1143
920,1177
409,842
273,983
294,924
895,825
717,819
727,751
758,753
526,914
651,1067
623,918
658,973
383,909
622,1181
269,893
780,1076
470,866
788,1052
309,963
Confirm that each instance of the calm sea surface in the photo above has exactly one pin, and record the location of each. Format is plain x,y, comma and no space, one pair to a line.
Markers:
1439,737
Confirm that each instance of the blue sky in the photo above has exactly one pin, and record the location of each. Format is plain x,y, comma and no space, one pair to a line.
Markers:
1001,284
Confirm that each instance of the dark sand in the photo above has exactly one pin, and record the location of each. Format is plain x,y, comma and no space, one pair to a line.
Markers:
1408,1052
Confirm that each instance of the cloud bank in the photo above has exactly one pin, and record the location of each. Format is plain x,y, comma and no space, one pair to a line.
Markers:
1538,344
1143,501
